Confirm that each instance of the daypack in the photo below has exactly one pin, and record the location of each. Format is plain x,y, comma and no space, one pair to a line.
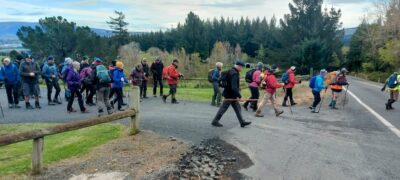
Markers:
223,81
85,75
249,75
392,83
285,78
340,80
312,82
210,75
102,74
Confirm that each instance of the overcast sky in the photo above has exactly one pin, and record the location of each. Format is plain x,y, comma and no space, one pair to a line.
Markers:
148,15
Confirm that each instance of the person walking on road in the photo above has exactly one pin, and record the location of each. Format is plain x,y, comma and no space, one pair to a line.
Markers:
172,75
157,71
85,63
30,72
289,85
119,79
337,80
143,88
12,78
102,87
136,76
92,90
393,83
254,85
74,84
317,85
215,75
51,75
232,95
271,84
17,63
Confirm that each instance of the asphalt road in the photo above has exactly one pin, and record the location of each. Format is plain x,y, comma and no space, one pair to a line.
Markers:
348,143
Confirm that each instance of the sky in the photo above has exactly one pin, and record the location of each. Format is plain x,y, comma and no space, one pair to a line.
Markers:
153,15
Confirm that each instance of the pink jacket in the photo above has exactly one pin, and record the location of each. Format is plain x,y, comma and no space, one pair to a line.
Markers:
292,79
256,79
272,83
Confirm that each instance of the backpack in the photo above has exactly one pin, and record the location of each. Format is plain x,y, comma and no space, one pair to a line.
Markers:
285,78
223,81
210,75
85,75
249,75
312,82
340,79
102,74
392,83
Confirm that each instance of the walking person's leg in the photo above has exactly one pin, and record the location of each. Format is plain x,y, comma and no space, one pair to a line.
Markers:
71,101
155,86
89,99
216,91
57,94
271,98
15,95
284,103
317,100
219,96
9,96
173,94
144,88
290,96
107,100
118,91
247,102
256,96
49,85
80,101
161,86
100,101
261,106
36,93
224,107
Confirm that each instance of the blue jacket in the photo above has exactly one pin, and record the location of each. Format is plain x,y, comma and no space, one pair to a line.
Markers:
10,74
118,75
49,70
216,75
319,84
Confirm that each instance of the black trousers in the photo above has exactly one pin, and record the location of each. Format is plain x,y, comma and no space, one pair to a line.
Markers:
50,85
289,94
78,94
12,93
118,98
157,81
143,89
92,92
255,94
317,98
224,107
86,89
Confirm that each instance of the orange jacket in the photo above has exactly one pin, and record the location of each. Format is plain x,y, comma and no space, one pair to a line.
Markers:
172,75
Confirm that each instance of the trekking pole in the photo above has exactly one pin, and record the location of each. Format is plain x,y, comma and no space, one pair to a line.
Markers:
345,95
1,108
322,100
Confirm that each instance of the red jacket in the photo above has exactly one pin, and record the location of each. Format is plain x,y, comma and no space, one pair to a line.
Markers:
292,79
172,75
272,83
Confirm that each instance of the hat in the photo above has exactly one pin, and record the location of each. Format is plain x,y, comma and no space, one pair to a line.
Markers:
85,58
98,59
293,68
28,56
274,67
344,70
68,60
323,71
50,58
240,63
175,61
114,62
260,65
120,65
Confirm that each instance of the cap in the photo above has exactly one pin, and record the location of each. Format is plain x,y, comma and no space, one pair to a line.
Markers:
29,56
50,58
175,61
120,65
323,71
98,59
274,67
260,65
344,70
293,68
240,63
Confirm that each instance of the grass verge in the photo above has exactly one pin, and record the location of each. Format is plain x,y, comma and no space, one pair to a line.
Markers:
16,158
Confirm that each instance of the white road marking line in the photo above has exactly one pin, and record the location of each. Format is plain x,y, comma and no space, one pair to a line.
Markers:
379,117
370,84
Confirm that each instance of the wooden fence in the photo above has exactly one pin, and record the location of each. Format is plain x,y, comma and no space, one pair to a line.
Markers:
38,135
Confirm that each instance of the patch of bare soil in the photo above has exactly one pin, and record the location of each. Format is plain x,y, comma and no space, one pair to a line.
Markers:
143,156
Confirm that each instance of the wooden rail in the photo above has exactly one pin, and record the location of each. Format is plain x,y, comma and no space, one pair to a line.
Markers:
38,135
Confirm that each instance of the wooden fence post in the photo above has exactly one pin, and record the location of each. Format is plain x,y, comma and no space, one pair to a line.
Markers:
135,120
37,155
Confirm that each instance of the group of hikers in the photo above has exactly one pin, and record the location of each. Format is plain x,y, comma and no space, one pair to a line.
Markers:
21,79
229,81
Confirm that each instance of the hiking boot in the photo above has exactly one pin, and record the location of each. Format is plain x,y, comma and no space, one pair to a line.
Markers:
259,115
124,104
164,98
51,103
57,101
174,101
110,111
100,112
91,104
314,110
11,106
121,109
37,105
217,124
245,107
387,106
311,108
112,104
278,113
72,110
28,106
293,104
154,95
16,106
85,111
244,124
145,97
284,104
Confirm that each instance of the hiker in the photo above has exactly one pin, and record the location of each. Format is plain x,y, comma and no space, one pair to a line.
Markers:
271,85
317,85
17,63
157,71
337,79
119,79
12,78
74,84
143,87
215,75
101,82
65,68
289,78
84,64
86,79
231,83
172,75
111,68
136,76
254,81
92,90
51,76
30,72
394,87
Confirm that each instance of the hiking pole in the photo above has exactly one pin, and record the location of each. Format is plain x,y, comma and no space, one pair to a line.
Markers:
1,108
345,95
322,100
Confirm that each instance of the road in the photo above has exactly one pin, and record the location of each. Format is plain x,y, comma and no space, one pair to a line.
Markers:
349,143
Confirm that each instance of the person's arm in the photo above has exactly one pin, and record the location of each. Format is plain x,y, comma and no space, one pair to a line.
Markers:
37,70
292,79
275,83
234,85
21,70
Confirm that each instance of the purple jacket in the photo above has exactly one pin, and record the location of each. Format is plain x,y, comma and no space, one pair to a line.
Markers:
73,80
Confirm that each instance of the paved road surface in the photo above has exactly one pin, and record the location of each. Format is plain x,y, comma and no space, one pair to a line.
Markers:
349,143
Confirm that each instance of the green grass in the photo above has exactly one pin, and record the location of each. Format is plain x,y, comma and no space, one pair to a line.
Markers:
16,158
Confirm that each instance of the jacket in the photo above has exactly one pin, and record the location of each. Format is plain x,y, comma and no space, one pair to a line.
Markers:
10,74
319,84
272,83
145,70
119,78
232,90
292,79
256,79
137,77
172,75
26,68
157,69
398,81
49,70
73,80
216,75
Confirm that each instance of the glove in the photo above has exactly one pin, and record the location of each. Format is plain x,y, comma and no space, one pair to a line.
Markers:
383,89
122,79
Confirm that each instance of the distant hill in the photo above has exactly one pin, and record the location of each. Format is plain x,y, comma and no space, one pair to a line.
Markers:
348,34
